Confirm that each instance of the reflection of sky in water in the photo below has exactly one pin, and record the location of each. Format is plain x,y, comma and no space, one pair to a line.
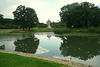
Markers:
52,44
41,50
8,42
48,46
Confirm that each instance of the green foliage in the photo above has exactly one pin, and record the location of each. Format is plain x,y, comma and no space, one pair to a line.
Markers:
41,25
91,30
11,60
79,30
98,30
36,29
25,17
80,15
1,16
7,23
31,17
58,25
62,30
8,26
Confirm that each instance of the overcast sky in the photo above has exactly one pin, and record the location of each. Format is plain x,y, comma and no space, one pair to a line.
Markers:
45,9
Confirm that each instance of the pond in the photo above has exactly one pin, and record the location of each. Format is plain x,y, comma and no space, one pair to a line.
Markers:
82,49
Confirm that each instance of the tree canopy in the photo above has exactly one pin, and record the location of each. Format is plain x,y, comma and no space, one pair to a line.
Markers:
80,15
25,16
6,23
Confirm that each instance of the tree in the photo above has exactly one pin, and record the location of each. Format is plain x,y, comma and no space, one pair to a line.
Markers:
80,15
31,17
19,16
25,17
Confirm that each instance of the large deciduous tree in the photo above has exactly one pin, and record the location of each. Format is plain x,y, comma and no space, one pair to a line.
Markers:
25,17
80,15
31,17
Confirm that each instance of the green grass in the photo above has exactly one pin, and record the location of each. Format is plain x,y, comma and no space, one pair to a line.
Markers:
79,30
65,31
36,29
12,60
62,30
80,34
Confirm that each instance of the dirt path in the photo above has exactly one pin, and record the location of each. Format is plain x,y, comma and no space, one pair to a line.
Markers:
6,31
61,61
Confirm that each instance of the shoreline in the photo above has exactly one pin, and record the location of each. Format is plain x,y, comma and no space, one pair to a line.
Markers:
6,31
57,60
10,32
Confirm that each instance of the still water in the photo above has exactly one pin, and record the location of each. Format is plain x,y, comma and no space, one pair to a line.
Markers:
82,49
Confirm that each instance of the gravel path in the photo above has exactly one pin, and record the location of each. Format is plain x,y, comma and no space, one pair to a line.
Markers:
61,61
6,31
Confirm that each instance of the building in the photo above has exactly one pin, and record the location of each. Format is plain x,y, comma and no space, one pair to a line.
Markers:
48,23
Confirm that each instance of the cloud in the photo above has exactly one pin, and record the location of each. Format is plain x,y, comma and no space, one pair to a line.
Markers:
33,4
12,5
65,2
8,12
53,15
97,2
41,50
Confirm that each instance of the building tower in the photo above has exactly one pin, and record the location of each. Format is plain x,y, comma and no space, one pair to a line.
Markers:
48,23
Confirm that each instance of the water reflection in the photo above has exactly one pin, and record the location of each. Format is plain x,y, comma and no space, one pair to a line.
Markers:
2,47
27,45
83,48
48,36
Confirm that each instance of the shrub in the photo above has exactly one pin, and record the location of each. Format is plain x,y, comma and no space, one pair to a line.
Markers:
91,30
98,30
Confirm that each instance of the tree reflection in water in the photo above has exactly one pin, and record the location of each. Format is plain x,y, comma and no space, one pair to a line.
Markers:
82,47
27,45
2,47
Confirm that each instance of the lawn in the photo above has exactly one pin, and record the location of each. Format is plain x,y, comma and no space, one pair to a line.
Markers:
12,60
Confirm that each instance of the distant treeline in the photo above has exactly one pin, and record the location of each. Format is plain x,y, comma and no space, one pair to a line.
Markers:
6,23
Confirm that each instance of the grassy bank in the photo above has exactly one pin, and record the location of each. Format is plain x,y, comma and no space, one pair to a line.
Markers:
80,34
12,60
77,30
36,29
65,31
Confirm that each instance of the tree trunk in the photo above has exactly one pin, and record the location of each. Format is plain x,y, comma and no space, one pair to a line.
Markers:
29,28
23,28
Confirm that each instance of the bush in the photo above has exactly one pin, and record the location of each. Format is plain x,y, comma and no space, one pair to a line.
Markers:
98,30
8,26
91,30
62,30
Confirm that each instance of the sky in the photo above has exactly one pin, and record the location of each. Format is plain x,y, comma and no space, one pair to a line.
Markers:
45,9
